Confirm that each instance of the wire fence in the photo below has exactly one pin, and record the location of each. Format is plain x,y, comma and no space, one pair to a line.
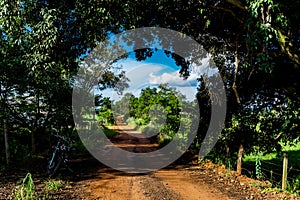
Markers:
270,163
290,169
293,169
274,172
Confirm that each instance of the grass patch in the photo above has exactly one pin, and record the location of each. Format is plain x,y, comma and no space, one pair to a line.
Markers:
252,157
52,184
270,166
293,151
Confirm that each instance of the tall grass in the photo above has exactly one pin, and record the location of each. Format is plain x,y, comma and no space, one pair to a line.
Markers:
25,190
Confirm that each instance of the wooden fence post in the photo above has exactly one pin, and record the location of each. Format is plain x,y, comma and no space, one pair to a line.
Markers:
239,161
284,171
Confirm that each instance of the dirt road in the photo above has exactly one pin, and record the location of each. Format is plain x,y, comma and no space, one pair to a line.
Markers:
164,184
176,182
170,183
183,180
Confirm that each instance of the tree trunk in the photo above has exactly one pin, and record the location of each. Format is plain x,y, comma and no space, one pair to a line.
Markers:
36,123
33,146
5,131
234,87
239,161
227,154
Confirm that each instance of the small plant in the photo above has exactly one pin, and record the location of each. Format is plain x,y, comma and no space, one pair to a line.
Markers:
52,184
201,160
271,190
25,191
229,165
258,172
293,186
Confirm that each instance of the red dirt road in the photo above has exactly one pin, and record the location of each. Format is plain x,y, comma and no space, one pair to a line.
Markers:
190,180
172,183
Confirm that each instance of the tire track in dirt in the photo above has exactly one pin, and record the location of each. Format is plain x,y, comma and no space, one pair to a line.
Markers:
168,184
114,185
180,182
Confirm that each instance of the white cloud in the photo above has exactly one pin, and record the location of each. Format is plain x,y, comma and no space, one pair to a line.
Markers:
173,79
143,75
140,75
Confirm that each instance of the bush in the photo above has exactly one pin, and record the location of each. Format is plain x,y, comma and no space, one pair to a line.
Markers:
106,117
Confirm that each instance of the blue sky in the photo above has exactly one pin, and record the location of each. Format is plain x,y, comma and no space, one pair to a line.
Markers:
153,71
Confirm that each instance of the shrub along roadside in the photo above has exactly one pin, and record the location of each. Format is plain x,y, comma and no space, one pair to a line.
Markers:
28,190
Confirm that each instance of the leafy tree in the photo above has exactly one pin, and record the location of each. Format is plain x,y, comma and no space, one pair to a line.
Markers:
158,110
254,44
41,44
104,112
121,107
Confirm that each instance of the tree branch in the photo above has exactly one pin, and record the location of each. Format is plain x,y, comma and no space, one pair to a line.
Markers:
234,86
284,48
278,137
229,11
237,4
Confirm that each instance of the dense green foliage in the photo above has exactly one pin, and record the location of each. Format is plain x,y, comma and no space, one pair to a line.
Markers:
255,45
104,112
158,111
41,44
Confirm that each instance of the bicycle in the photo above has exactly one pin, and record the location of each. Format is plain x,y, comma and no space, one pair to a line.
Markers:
59,155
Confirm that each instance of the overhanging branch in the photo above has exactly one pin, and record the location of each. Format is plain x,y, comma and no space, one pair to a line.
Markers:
285,49
229,11
237,4
234,86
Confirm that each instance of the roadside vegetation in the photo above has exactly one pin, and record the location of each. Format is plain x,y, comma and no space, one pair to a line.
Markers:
254,46
157,111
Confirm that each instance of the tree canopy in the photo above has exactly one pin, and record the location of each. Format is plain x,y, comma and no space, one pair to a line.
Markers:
255,45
